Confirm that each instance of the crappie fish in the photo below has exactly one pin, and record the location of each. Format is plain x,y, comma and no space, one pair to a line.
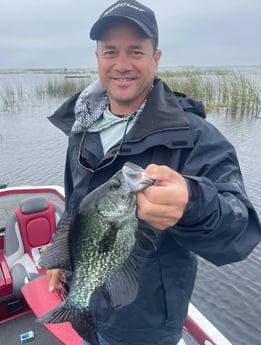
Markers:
96,244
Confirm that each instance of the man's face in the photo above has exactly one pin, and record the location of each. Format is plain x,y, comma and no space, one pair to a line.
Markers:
127,64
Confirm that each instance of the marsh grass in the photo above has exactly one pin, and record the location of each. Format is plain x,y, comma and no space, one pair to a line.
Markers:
57,88
218,88
19,96
11,97
227,89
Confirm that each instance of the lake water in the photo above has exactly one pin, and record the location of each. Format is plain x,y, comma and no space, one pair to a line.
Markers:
32,152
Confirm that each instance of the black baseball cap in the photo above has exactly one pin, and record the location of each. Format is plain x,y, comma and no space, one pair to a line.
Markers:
132,10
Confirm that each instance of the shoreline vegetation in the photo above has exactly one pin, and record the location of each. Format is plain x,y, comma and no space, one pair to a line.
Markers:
224,88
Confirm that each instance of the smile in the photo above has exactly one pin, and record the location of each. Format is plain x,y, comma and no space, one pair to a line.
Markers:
123,79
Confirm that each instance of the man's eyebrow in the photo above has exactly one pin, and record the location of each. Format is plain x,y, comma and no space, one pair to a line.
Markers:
108,46
136,46
113,46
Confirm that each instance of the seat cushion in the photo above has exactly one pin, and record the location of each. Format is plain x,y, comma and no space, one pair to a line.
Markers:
20,273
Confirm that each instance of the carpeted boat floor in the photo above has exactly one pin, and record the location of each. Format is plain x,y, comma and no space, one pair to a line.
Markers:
10,331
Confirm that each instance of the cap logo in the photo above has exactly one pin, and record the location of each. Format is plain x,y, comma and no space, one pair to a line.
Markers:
124,4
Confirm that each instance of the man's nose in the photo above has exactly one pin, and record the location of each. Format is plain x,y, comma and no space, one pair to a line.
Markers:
123,62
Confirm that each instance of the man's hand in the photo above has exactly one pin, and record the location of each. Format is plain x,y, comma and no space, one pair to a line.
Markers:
163,204
55,279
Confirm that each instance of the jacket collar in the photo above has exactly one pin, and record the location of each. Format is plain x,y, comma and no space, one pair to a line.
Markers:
162,112
167,107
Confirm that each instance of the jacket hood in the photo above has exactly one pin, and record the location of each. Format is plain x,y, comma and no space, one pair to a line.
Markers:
191,105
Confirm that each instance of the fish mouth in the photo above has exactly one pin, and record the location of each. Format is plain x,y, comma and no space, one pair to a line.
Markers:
135,177
145,182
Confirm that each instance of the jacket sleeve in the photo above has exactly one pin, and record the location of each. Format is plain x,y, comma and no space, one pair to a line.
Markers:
219,223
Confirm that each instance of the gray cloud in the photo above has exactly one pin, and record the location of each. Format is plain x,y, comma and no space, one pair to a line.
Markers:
46,33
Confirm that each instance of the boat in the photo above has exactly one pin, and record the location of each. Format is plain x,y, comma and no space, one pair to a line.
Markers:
28,218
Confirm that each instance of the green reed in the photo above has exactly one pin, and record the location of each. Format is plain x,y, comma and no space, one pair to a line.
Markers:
221,88
215,87
11,97
60,88
18,96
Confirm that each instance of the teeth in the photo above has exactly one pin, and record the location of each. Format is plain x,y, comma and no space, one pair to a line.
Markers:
123,79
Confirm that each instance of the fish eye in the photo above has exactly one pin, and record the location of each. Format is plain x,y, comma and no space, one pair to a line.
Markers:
114,185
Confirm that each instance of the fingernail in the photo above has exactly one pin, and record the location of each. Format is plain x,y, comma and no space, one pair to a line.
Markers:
51,288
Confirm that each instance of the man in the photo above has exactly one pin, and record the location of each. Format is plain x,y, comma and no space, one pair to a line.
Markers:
198,204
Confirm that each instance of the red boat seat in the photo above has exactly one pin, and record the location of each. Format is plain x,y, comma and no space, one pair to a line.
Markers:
28,231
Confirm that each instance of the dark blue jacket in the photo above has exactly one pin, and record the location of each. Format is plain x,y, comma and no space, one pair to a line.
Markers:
219,223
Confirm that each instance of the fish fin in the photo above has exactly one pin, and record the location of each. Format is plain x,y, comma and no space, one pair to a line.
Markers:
122,287
57,255
80,319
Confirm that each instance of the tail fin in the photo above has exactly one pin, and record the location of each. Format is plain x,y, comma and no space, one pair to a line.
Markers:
80,319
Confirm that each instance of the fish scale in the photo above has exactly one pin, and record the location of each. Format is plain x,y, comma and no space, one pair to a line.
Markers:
97,245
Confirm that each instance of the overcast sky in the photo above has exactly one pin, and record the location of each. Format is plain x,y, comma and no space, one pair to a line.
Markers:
55,33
